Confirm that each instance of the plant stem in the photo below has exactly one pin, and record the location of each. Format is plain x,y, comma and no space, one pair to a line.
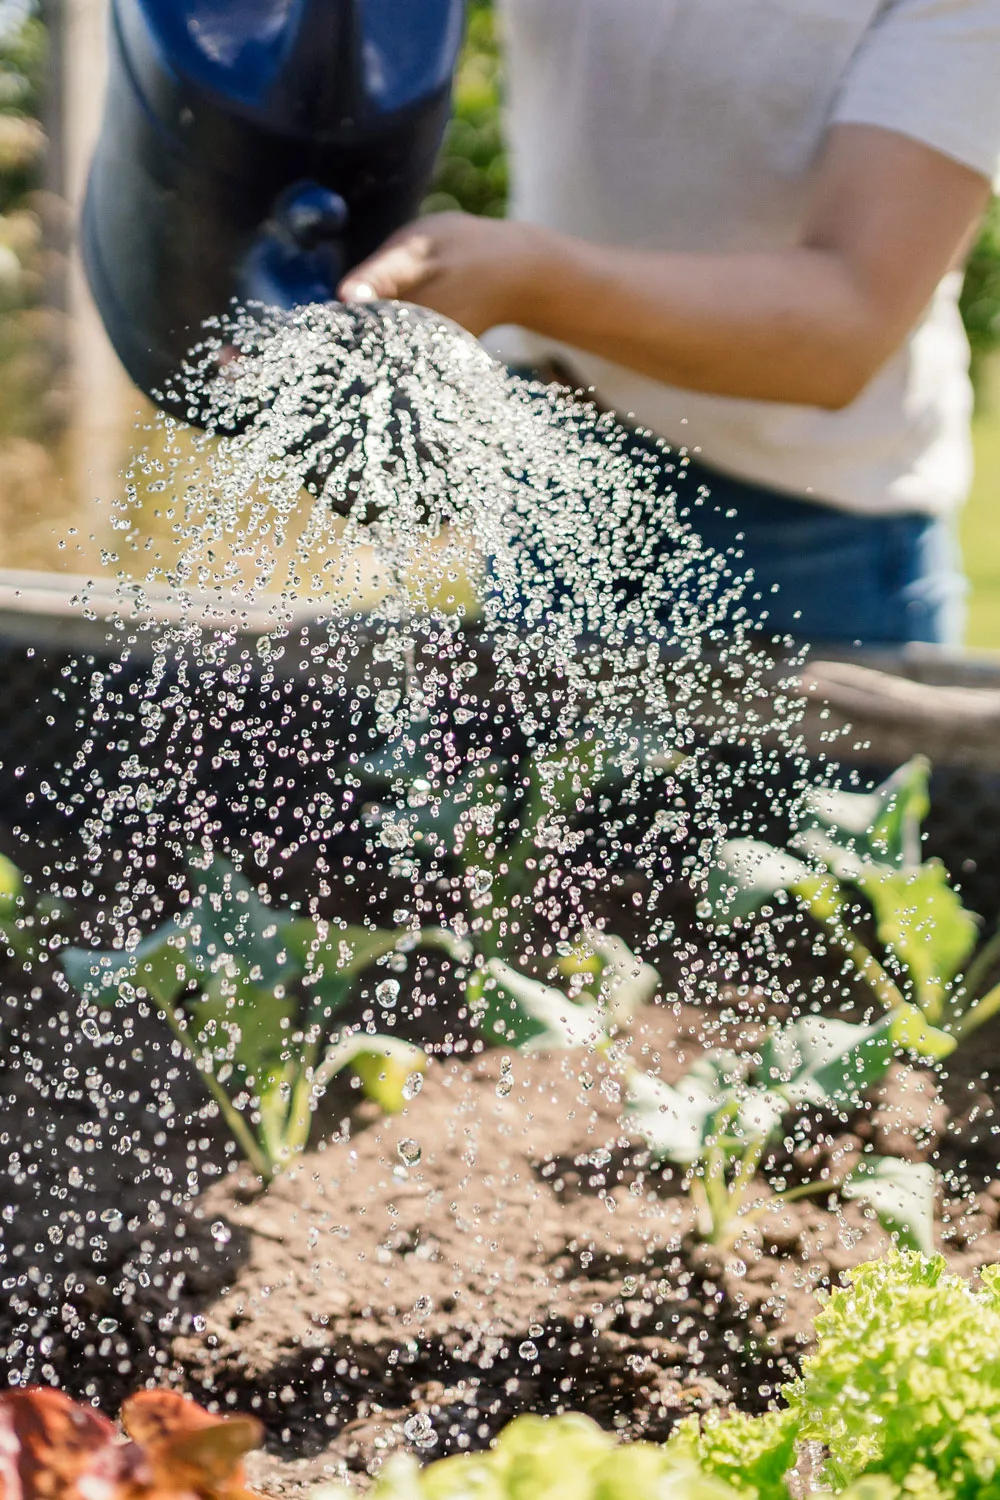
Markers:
746,1172
809,1190
717,1194
338,1054
977,1013
792,1195
867,965
238,1127
979,969
300,1107
703,1209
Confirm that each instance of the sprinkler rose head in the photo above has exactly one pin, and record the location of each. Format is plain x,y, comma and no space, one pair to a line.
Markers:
352,401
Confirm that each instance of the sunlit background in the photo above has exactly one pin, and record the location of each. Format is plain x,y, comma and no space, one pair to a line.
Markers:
68,415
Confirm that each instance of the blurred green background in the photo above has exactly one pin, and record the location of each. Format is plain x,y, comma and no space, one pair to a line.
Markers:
471,175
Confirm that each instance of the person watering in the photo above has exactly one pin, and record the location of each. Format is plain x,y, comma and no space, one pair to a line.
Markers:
741,224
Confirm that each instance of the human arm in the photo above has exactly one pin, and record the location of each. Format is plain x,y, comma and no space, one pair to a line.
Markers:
811,324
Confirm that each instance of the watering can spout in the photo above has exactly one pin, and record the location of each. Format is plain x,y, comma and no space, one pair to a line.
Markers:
255,150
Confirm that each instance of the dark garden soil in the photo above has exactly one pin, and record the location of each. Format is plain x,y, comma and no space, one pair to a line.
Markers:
530,1259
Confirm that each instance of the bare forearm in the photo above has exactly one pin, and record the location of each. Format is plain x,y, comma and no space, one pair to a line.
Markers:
785,326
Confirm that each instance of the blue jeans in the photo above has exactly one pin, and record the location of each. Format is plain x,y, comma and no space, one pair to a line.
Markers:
821,575
825,575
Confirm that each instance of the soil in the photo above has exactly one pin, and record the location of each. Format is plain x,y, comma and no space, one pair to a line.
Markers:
530,1259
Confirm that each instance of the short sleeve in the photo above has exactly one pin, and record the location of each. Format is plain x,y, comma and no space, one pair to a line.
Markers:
930,69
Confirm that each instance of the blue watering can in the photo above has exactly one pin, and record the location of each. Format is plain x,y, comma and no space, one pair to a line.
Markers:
255,149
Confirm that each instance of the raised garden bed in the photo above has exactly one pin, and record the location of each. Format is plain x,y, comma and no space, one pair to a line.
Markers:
505,1243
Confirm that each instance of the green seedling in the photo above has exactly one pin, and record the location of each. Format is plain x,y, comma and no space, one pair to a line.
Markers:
933,974
610,984
251,993
28,928
721,1118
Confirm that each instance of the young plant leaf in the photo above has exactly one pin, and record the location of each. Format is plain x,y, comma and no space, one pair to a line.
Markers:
881,826
11,887
912,1032
981,1010
530,1015
922,921
823,1061
626,984
226,937
385,1065
332,963
159,964
227,917
746,875
902,1195
676,1120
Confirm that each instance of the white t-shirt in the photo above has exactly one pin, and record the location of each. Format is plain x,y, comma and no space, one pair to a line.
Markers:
693,125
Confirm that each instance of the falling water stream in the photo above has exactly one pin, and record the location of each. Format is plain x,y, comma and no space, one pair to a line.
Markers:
309,754
603,617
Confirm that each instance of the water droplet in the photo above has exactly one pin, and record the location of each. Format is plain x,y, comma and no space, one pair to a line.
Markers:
414,1083
528,1350
395,835
408,1152
419,1431
90,1029
480,883
221,1233
387,993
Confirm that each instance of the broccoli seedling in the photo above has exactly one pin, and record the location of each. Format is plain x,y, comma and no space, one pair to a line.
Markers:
250,992
503,830
931,977
720,1119
722,1116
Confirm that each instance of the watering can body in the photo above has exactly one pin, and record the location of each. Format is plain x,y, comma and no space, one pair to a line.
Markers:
255,149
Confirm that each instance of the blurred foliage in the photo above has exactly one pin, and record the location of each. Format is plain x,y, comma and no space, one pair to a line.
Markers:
472,168
981,292
31,332
25,332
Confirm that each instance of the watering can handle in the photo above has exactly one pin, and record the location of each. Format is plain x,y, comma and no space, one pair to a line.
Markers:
318,77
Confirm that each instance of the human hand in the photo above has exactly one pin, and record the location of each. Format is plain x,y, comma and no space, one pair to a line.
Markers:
479,272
